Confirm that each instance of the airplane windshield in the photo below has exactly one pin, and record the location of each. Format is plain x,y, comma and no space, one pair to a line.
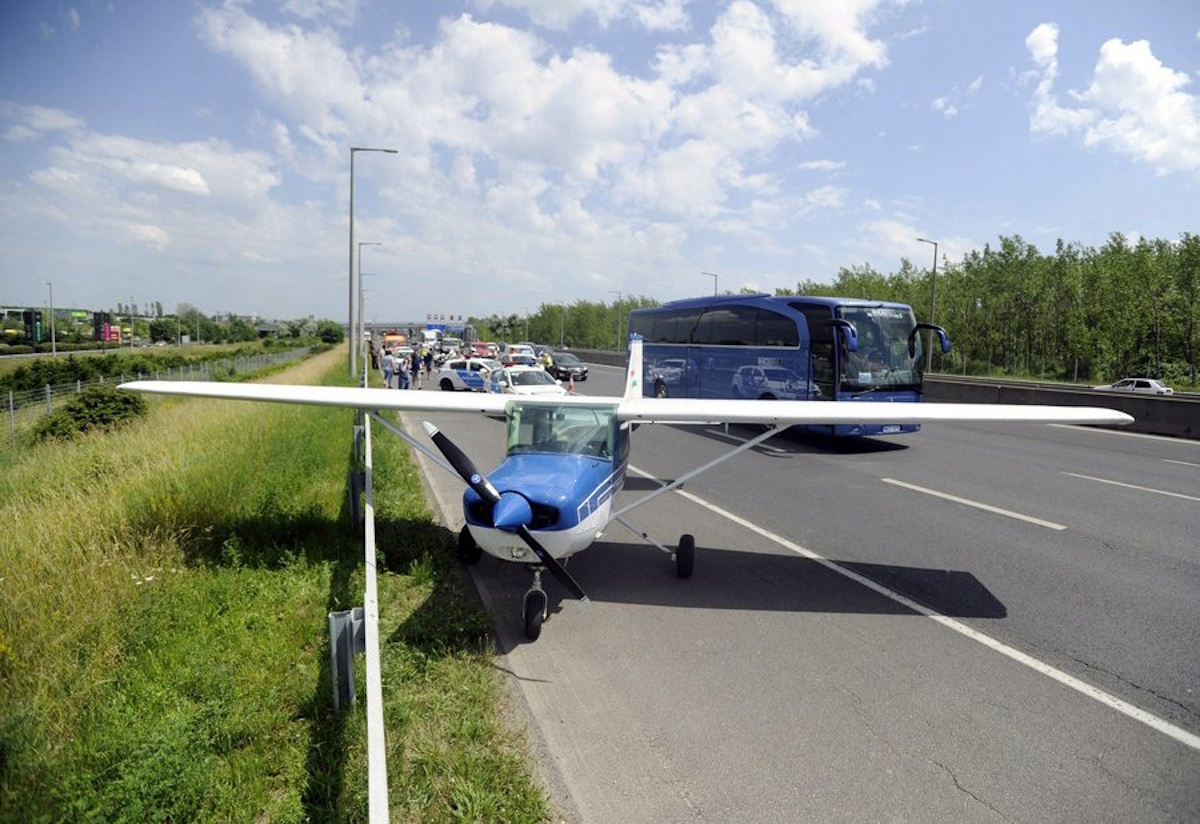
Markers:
570,429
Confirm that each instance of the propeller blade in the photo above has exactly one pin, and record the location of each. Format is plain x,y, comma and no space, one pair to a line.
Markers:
553,565
462,465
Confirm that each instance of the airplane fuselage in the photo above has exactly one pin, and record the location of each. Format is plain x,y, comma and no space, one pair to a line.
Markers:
571,497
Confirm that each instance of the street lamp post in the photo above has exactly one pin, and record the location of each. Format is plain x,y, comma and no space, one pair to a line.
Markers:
562,325
357,334
350,301
620,297
932,302
712,275
53,337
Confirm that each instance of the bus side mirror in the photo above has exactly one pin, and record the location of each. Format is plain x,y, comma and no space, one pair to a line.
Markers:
848,332
941,333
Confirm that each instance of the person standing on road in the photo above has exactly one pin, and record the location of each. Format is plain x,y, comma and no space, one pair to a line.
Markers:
389,366
402,368
416,370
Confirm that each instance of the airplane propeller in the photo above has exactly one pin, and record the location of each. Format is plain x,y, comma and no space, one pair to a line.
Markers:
510,510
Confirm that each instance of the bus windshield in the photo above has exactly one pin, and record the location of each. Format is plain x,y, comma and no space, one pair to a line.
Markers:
882,360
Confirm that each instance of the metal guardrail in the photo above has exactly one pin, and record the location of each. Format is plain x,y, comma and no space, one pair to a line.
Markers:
23,409
356,630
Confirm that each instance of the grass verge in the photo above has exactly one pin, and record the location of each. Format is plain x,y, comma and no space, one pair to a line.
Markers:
163,651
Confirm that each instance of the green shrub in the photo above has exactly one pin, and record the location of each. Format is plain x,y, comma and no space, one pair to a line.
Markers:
97,407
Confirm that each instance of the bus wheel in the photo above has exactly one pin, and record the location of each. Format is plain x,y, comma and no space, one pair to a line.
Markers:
685,556
660,390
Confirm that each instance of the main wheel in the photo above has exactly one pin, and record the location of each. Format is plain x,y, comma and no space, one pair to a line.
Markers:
469,552
535,613
685,556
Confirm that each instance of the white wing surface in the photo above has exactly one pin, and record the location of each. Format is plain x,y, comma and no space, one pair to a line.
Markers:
645,410
345,396
786,413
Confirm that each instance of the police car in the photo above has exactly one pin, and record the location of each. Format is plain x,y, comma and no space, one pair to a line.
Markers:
459,374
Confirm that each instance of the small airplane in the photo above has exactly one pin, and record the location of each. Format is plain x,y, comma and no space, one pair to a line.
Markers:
554,493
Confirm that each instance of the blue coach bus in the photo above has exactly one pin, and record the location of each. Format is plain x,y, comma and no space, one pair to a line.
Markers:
786,348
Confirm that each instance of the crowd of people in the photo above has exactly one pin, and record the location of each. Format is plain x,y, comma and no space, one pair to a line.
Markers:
406,367
403,367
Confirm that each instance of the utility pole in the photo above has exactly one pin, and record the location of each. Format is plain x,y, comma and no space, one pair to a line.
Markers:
350,319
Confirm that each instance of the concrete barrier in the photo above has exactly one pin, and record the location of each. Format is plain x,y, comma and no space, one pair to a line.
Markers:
1174,415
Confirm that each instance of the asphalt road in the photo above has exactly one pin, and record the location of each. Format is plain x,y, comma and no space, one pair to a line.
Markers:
1046,669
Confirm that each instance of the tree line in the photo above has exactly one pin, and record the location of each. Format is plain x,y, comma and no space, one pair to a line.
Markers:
1080,314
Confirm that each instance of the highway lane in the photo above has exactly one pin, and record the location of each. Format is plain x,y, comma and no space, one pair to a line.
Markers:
770,688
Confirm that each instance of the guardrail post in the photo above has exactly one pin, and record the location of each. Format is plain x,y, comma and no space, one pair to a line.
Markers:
359,437
347,637
48,410
357,482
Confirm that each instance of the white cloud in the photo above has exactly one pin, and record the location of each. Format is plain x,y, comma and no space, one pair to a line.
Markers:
653,15
821,165
1134,105
30,122
148,235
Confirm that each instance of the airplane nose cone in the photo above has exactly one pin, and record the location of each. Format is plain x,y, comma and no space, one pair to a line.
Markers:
511,511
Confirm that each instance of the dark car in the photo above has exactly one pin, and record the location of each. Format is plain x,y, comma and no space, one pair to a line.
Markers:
568,366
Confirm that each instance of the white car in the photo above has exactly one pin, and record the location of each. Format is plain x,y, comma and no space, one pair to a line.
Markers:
525,380
1145,386
458,374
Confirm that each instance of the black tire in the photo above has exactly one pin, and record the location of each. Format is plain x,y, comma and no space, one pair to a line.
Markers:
685,556
469,552
534,613
660,390
446,385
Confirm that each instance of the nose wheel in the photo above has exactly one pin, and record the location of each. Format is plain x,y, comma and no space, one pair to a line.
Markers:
534,610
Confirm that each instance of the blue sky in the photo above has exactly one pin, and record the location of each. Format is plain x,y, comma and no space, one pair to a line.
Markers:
562,150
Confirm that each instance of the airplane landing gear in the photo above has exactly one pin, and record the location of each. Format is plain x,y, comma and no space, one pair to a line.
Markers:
534,611
469,552
685,556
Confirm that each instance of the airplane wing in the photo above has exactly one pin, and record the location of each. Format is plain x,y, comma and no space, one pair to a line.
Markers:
344,396
787,413
642,410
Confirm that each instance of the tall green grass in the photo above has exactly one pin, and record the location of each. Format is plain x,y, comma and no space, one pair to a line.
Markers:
163,651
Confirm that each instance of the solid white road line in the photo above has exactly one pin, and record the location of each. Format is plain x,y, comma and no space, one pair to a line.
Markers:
1181,463
1124,434
1095,693
1133,486
967,502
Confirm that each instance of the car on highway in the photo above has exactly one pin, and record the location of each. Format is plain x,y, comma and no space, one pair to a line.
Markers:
518,359
1145,386
525,380
568,366
459,374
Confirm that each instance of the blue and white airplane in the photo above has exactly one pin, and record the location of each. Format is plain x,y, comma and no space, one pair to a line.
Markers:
554,493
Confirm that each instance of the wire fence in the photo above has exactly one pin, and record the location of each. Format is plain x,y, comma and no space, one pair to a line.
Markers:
24,408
